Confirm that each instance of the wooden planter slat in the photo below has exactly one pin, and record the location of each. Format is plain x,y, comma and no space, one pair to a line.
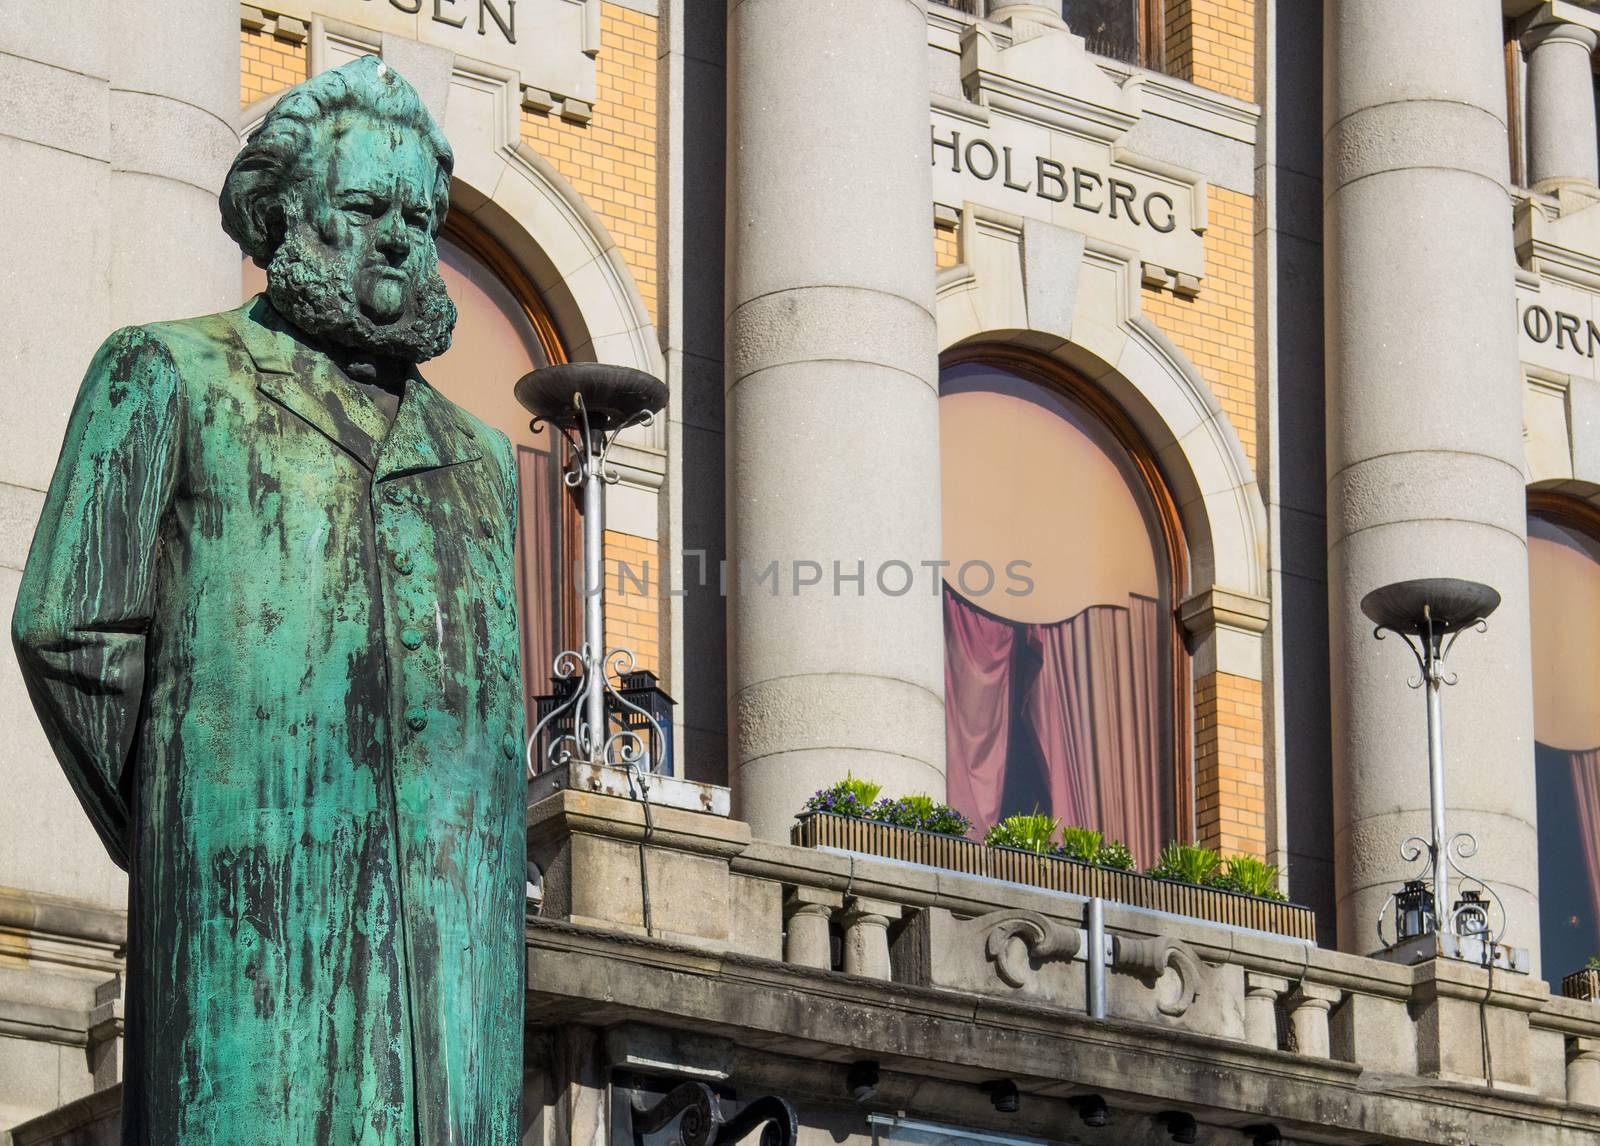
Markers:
1584,984
1054,873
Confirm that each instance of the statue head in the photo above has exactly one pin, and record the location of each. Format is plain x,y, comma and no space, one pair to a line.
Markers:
339,194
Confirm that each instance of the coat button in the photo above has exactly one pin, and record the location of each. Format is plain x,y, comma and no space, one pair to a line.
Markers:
410,638
486,525
508,745
505,668
500,598
402,562
416,719
394,495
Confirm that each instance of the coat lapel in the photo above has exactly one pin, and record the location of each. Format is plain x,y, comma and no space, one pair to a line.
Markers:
304,381
427,434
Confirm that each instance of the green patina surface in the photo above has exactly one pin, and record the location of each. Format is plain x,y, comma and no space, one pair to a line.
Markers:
270,629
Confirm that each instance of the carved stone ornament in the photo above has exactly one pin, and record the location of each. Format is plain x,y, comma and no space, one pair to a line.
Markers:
1018,942
1167,966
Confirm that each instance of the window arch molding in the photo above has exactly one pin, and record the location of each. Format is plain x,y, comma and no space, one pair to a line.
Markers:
1128,359
1149,483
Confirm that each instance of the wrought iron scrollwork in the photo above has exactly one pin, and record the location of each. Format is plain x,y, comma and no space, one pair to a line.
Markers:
701,1121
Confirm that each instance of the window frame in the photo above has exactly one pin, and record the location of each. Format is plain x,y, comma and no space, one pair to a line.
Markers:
1570,513
1061,379
463,230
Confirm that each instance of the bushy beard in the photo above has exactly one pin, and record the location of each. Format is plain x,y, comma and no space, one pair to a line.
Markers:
312,284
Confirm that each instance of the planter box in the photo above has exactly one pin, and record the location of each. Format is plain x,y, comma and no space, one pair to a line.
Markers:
1583,984
825,830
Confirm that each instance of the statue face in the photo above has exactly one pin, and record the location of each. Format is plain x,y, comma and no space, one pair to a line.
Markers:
359,267
380,191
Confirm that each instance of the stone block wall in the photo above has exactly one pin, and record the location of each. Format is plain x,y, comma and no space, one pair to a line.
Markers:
611,159
270,59
1216,328
1230,765
1212,43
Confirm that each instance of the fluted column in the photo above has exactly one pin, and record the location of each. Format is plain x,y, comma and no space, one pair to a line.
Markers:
1424,440
1561,121
837,665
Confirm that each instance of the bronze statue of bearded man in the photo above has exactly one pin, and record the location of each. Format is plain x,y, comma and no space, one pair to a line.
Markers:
268,623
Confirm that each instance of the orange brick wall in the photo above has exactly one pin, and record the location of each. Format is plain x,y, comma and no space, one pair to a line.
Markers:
611,160
946,248
267,65
1212,43
1230,765
1216,329
633,618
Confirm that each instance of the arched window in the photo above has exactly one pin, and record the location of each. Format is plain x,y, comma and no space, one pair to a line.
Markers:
503,332
1564,590
1062,664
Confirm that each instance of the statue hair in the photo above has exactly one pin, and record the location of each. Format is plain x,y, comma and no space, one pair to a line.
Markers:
262,191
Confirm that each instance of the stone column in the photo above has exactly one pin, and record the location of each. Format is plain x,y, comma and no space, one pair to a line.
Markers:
1561,122
1424,441
1583,1071
1261,993
1026,12
115,134
866,936
1308,1015
806,940
832,414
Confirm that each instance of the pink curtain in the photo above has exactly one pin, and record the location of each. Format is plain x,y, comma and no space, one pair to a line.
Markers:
538,549
1086,692
1586,794
977,707
1092,707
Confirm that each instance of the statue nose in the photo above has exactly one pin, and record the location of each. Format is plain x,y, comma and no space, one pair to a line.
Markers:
392,238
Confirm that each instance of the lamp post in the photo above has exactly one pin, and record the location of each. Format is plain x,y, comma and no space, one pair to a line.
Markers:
591,403
1429,615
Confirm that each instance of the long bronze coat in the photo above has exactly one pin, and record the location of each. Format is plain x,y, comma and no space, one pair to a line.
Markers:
278,660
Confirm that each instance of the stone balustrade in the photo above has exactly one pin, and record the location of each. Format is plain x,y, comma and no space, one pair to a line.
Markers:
715,889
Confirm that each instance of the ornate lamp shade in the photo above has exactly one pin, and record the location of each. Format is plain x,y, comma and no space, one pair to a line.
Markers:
591,396
1436,605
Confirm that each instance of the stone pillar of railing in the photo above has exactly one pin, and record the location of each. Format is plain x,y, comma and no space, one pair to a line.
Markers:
1021,13
1261,995
1424,442
1562,147
832,411
1583,1071
1308,1015
808,912
866,936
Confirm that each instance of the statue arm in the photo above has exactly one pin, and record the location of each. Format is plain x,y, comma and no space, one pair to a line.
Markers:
505,457
87,595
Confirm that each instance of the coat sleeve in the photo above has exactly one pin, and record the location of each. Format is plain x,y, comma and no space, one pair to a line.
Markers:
86,599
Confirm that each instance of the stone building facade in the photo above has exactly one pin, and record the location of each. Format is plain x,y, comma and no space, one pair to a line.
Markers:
1232,311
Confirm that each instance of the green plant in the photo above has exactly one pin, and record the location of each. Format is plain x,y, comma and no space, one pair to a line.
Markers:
1034,833
1188,863
1593,964
922,812
1114,854
847,797
1081,844
1251,876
